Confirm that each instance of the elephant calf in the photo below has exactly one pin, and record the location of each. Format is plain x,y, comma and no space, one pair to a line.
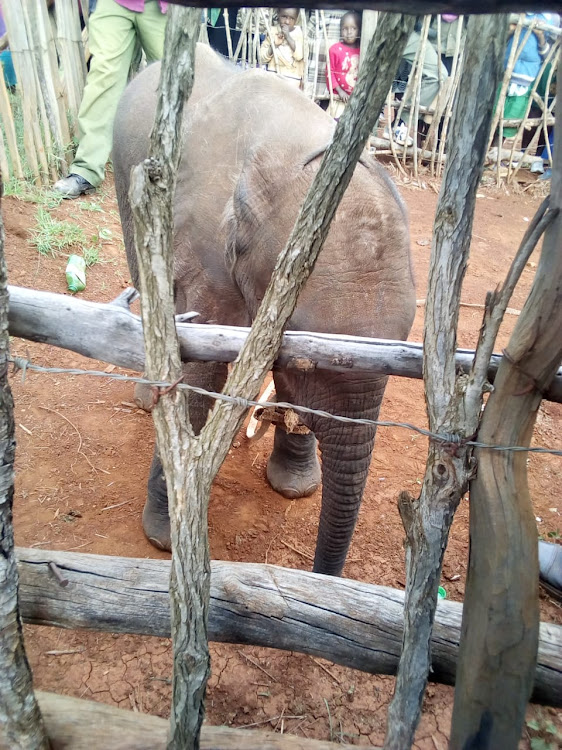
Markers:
252,145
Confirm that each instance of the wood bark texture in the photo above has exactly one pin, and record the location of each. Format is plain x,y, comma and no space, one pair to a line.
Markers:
21,726
190,463
112,333
354,624
75,724
427,519
151,194
500,625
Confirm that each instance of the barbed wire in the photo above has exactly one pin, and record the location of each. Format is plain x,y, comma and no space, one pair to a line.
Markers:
20,363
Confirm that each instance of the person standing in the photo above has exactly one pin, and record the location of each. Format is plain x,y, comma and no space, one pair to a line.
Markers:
344,62
283,49
114,29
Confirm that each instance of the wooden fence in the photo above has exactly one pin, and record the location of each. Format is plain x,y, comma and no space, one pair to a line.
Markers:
492,687
48,41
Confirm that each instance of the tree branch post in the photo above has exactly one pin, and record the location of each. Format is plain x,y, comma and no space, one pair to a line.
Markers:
151,194
21,725
427,519
501,614
191,463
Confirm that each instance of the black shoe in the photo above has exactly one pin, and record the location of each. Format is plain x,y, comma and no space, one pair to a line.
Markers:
73,186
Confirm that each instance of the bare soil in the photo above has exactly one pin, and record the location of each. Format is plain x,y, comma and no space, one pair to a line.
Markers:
83,455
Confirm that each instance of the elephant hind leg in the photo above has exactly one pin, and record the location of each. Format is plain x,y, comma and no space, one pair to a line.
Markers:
293,469
144,396
155,517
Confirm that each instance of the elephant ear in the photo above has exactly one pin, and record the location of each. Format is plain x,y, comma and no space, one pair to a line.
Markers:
255,199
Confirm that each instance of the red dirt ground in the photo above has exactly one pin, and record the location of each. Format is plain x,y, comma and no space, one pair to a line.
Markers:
83,454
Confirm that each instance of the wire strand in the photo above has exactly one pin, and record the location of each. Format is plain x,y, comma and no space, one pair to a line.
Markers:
24,365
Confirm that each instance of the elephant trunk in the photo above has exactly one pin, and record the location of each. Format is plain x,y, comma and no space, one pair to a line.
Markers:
346,456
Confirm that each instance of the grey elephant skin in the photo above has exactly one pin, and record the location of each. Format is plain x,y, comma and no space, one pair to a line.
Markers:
251,147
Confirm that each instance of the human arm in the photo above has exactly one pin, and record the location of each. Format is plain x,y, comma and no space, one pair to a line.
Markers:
296,37
343,95
286,36
544,46
332,78
266,50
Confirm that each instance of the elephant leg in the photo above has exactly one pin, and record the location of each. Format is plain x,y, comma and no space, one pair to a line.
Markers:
345,448
144,396
155,517
346,455
293,469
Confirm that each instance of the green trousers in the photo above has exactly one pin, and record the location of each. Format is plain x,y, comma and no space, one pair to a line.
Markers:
430,74
113,34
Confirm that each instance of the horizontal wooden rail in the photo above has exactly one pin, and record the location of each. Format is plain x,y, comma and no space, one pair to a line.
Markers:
74,724
113,334
351,623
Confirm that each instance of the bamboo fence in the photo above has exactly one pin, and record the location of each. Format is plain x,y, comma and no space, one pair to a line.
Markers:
49,48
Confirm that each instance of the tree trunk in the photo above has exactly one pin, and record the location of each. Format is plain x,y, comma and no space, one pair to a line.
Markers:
501,616
427,519
21,726
188,488
151,194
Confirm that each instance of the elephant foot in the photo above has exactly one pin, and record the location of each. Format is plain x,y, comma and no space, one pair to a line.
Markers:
155,518
156,527
144,396
293,469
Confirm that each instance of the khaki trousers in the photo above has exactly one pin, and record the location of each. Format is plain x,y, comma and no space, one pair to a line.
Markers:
113,33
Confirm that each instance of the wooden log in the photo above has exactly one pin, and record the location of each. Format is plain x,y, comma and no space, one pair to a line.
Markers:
113,334
355,624
75,724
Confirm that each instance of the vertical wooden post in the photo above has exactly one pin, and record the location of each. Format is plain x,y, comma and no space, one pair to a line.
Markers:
427,519
21,56
21,726
10,131
152,189
370,18
71,49
501,613
191,463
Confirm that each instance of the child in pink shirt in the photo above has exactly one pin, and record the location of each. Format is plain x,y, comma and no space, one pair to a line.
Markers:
341,74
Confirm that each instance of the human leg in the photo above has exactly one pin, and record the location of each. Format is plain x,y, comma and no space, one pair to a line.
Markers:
151,29
434,77
112,37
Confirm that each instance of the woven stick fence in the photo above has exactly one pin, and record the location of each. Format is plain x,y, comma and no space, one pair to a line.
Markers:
49,50
50,67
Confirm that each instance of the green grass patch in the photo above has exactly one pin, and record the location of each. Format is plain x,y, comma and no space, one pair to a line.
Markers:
51,236
90,206
27,191
91,254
